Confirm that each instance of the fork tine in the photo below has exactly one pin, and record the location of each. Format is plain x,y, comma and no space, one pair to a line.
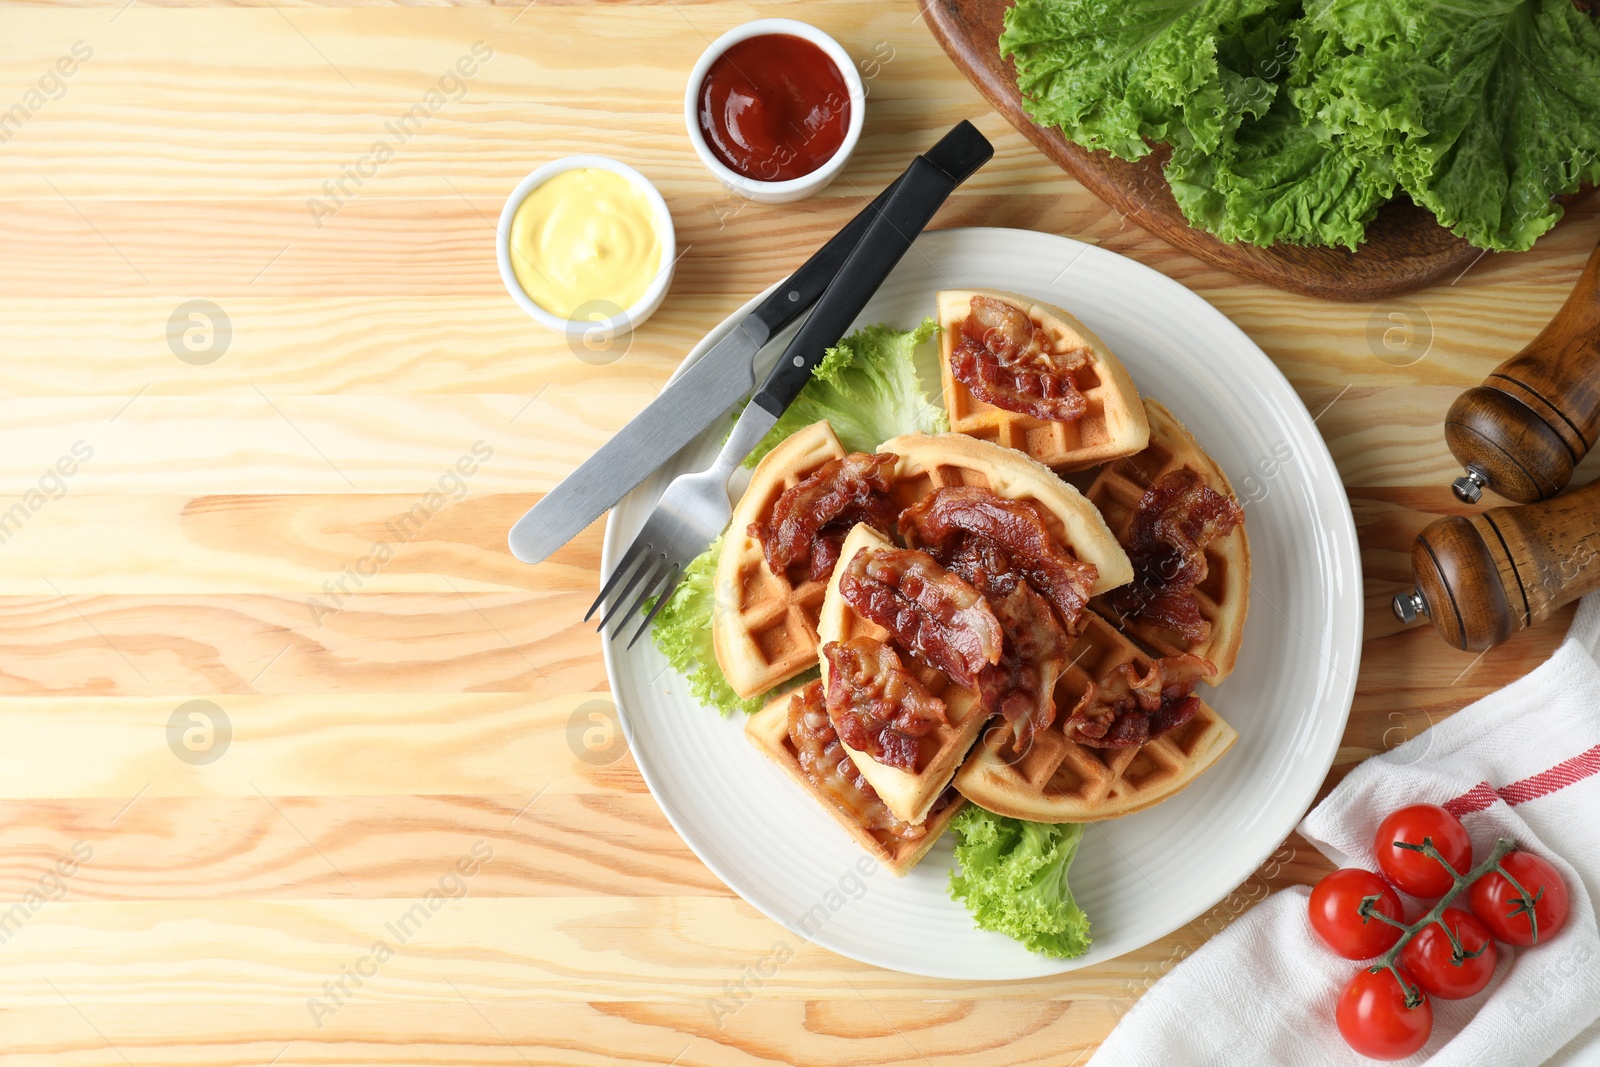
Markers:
659,568
630,558
641,563
668,588
646,572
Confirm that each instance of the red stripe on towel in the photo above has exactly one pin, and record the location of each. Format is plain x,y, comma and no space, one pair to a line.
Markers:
1563,774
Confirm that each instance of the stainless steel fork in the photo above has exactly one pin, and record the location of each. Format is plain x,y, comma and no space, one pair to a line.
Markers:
687,518
695,508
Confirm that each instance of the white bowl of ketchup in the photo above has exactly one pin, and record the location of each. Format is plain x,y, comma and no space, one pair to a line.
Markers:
774,109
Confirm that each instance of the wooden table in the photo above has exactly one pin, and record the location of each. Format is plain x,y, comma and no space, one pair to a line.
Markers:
408,702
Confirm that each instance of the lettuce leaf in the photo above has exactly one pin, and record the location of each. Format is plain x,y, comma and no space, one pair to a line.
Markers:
1490,109
869,387
1012,876
1114,74
1296,123
1281,181
682,632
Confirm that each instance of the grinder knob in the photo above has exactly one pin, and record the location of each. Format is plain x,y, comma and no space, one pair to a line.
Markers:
1469,487
1523,430
1481,579
1408,607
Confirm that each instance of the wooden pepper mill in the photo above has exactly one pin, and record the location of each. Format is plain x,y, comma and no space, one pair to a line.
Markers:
1522,431
1481,579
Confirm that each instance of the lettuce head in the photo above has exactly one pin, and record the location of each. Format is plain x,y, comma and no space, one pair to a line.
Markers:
1489,110
1296,120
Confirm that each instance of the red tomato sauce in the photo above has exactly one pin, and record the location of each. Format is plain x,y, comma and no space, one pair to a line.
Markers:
774,107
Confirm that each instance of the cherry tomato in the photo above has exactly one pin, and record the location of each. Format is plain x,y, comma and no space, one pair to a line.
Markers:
1431,959
1502,910
1336,914
1374,1020
1411,871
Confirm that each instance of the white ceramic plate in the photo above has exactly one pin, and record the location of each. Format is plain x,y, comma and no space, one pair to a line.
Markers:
1139,877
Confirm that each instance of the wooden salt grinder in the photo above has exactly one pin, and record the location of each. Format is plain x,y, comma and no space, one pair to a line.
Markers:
1481,579
1522,431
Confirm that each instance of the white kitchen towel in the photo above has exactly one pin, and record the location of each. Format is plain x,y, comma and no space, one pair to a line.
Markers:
1522,763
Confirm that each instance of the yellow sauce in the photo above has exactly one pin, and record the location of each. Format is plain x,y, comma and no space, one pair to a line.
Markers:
584,235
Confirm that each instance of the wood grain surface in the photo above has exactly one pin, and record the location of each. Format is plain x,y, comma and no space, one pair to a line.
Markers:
433,714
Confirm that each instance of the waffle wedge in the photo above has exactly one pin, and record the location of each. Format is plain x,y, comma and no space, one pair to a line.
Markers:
1057,780
764,627
1224,595
909,794
768,731
1113,424
928,461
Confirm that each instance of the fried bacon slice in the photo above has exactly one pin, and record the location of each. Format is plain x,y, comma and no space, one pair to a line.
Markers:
1000,355
929,612
828,767
1126,710
809,521
1020,688
1017,527
876,705
1178,516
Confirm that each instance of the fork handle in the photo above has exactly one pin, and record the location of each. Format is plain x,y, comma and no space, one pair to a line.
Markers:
917,196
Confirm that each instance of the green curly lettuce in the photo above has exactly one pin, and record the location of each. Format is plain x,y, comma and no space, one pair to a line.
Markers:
682,633
870,387
1296,120
1281,181
1012,876
1119,74
1489,109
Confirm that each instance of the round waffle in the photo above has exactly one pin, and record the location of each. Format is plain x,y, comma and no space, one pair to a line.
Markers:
909,794
764,627
1114,424
1057,780
927,462
930,461
1224,596
768,730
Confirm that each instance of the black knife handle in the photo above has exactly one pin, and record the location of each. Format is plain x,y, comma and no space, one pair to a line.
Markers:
803,288
911,205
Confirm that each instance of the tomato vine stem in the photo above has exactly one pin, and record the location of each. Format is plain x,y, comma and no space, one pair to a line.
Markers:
1387,961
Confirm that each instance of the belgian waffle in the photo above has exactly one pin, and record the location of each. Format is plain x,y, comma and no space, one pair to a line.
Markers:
764,627
768,731
909,794
1113,426
1224,596
928,462
1057,780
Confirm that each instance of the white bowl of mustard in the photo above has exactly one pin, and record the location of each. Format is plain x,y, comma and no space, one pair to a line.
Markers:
585,240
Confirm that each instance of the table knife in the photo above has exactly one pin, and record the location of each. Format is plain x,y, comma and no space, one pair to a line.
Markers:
701,395
704,392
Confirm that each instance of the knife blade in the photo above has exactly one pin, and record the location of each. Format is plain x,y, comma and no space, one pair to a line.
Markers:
704,392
